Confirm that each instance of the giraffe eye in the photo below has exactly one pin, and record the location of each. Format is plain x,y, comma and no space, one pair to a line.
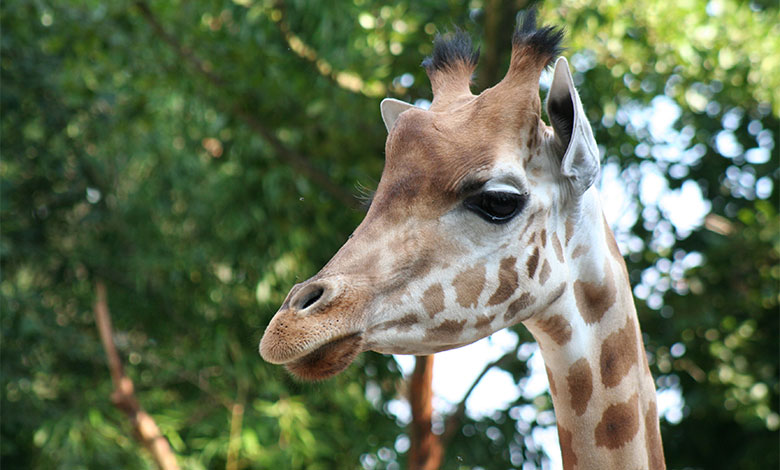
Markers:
496,207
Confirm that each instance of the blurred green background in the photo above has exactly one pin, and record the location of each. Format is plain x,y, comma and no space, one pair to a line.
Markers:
200,157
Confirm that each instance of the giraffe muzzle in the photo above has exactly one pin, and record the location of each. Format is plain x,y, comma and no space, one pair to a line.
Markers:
314,334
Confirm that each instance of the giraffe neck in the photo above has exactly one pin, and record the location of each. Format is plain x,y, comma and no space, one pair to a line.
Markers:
602,389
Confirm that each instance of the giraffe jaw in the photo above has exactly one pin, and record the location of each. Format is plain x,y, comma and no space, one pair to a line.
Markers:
327,360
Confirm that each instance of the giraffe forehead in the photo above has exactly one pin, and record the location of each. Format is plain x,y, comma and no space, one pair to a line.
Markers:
434,157
443,148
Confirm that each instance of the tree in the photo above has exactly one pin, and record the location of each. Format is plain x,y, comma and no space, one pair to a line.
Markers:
199,157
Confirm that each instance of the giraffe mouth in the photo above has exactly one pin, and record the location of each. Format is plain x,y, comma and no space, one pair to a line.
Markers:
328,359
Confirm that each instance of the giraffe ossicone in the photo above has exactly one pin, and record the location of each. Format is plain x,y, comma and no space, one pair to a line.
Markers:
486,217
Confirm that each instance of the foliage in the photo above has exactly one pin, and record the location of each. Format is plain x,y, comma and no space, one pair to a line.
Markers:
166,166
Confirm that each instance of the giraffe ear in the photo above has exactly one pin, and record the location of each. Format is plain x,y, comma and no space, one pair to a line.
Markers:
391,108
573,135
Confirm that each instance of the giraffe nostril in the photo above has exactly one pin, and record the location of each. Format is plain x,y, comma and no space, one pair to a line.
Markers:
311,297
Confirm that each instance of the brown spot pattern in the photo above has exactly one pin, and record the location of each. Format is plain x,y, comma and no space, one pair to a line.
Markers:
484,321
557,328
543,238
553,389
529,141
580,382
544,274
618,354
613,247
655,451
569,225
567,450
519,304
579,250
593,300
396,295
433,299
533,262
448,329
469,284
507,281
528,224
556,243
422,264
404,323
619,424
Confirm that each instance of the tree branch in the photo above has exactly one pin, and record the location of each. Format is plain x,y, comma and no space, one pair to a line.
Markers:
294,158
123,395
453,420
426,451
343,80
236,421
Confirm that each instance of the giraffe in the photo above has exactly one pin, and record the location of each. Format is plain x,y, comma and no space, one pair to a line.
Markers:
485,217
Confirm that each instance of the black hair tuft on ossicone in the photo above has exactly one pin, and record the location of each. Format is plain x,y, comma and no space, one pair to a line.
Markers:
544,41
449,49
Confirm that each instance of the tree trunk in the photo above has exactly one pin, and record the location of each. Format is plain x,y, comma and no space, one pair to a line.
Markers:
498,24
426,451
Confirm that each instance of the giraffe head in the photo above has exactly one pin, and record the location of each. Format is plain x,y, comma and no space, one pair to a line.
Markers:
453,245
